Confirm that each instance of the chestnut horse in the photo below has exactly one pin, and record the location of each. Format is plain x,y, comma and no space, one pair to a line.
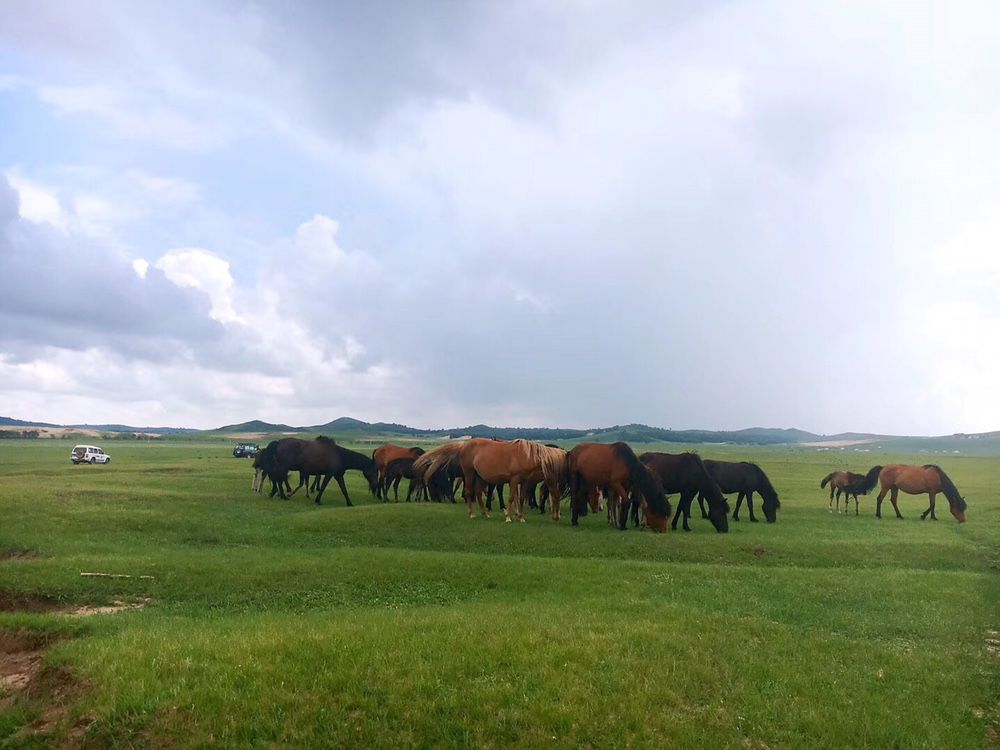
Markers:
914,480
686,473
386,454
516,463
615,470
845,483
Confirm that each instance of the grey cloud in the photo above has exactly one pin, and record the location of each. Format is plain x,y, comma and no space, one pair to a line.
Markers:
69,291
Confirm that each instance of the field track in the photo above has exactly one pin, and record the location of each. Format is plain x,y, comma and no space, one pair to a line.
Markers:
263,623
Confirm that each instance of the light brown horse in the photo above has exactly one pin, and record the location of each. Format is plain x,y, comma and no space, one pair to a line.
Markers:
914,480
518,463
615,470
845,483
385,455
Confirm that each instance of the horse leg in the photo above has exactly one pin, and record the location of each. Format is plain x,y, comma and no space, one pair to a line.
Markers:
855,504
343,488
511,501
878,502
895,506
701,504
930,508
322,489
753,518
736,513
683,507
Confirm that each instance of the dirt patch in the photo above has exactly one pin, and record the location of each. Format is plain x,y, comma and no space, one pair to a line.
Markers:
30,603
118,605
34,604
17,554
755,550
24,678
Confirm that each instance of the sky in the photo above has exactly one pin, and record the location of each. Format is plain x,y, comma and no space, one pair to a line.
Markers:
690,214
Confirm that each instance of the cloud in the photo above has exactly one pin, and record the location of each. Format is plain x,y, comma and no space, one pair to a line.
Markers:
698,214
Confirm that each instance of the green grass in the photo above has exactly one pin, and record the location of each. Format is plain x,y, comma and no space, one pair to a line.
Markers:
288,624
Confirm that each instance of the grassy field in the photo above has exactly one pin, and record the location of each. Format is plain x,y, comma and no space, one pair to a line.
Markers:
286,624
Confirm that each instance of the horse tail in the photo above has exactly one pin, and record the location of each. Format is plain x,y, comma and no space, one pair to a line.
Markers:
577,487
949,488
871,479
429,463
826,479
641,476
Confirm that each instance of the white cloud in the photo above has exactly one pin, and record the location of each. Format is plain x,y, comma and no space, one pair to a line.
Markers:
199,269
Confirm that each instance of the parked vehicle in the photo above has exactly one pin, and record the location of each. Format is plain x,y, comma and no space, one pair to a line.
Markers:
89,454
245,450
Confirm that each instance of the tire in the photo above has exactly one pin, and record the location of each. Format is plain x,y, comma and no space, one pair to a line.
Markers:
93,460
108,461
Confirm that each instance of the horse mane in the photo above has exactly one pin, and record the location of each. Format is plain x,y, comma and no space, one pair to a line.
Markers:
417,451
552,460
949,488
655,498
325,440
826,479
871,479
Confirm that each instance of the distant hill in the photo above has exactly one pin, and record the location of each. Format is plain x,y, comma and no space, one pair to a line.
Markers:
11,422
350,427
256,425
127,428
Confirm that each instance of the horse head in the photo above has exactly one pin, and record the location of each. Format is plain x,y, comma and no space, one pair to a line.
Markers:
371,474
958,509
718,512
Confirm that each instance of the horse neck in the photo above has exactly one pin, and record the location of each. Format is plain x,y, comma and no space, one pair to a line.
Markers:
353,459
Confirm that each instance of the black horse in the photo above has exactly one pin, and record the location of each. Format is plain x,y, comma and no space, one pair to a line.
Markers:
686,474
745,478
321,456
395,472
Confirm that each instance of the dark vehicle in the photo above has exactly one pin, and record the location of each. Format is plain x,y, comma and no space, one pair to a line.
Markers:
245,450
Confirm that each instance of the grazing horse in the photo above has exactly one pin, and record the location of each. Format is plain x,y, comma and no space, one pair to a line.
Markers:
395,472
615,470
386,454
745,478
915,480
686,473
324,457
845,483
516,463
438,469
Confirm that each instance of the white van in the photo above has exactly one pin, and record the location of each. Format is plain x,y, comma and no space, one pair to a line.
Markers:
89,454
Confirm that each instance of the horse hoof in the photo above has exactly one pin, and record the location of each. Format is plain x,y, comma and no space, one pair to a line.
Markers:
522,520
506,520
753,520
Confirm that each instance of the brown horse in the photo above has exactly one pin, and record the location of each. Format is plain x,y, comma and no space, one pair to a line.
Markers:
386,454
845,483
615,470
914,480
516,463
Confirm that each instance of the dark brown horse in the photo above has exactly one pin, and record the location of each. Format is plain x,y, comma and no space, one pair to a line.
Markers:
745,478
386,454
685,473
928,479
321,456
615,470
845,483
395,472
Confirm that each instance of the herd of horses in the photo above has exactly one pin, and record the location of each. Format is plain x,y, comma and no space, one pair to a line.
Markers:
591,475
